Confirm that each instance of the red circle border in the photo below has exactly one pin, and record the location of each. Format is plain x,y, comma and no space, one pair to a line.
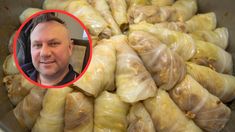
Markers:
15,43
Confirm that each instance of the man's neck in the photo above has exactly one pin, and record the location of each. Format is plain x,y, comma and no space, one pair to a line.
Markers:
52,80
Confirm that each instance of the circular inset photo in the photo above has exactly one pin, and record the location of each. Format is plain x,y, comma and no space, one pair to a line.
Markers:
52,49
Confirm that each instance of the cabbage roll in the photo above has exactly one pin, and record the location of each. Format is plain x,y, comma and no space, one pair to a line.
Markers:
94,40
28,110
162,2
100,73
133,81
50,4
110,113
166,116
213,56
139,119
175,26
185,9
51,117
10,44
133,3
9,66
149,13
57,4
166,67
207,111
17,87
181,43
78,113
206,21
119,12
95,23
218,37
103,8
220,85
28,13
145,26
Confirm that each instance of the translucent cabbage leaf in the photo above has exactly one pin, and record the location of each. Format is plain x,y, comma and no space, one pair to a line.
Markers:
207,111
166,67
166,115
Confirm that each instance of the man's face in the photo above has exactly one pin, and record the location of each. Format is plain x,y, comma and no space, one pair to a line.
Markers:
51,48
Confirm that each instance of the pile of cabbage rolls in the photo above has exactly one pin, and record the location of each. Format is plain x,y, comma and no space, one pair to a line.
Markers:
157,66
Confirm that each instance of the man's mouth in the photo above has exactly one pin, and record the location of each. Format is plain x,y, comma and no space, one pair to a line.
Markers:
47,62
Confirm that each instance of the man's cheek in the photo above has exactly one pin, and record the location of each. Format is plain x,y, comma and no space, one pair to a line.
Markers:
35,60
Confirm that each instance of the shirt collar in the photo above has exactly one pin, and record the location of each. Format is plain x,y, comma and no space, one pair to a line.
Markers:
32,74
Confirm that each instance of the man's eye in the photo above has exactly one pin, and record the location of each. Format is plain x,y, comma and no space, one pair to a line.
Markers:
54,43
37,45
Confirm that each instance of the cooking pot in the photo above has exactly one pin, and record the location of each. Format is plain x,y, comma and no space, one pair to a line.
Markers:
9,22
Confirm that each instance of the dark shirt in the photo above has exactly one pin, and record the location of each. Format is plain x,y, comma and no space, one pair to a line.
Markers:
32,73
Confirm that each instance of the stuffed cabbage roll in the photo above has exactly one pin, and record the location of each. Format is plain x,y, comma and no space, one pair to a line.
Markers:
181,43
133,3
94,40
220,85
17,87
162,2
207,111
9,66
185,9
139,119
166,116
49,4
145,26
110,113
95,23
78,113
149,13
10,43
28,13
51,117
103,8
213,56
166,67
218,37
100,73
133,81
175,26
119,12
206,21
56,4
28,110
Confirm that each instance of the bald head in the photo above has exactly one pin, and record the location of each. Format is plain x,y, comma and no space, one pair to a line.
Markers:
50,18
46,18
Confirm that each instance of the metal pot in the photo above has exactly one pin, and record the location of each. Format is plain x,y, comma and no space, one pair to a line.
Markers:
9,15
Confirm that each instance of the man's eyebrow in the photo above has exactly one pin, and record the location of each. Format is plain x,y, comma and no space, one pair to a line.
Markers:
52,40
35,41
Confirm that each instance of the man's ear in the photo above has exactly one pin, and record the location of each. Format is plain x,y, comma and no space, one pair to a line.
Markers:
71,44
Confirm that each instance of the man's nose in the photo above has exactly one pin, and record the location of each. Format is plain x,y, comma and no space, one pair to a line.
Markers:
45,51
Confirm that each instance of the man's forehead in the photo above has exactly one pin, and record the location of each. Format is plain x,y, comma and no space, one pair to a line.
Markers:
51,26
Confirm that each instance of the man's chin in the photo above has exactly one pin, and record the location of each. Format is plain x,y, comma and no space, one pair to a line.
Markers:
48,74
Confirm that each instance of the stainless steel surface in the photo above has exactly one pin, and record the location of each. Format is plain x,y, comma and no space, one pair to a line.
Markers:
9,14
225,13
